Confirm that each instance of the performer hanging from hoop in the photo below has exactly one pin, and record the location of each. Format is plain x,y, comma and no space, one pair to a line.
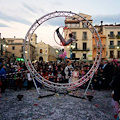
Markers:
65,43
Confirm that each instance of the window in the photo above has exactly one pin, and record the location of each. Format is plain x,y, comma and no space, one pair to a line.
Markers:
118,32
111,54
13,55
76,45
111,42
111,32
21,55
118,54
21,47
84,46
118,43
83,25
73,56
40,50
45,51
74,35
84,35
84,55
111,36
13,47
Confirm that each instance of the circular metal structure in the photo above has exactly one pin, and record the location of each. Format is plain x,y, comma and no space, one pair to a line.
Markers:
64,86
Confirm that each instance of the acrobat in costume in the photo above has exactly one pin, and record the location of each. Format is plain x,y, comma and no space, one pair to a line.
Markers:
65,43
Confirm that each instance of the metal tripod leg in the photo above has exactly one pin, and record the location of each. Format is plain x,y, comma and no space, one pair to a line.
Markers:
88,84
36,86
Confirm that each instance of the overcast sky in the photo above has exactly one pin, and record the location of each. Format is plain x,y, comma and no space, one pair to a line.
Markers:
17,16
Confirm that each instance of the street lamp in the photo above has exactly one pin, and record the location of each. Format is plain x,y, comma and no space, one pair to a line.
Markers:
57,51
4,45
117,47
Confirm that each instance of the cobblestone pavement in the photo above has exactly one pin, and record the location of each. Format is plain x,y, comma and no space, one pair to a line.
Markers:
56,107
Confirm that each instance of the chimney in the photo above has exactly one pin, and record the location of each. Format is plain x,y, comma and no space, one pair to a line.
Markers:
101,23
101,29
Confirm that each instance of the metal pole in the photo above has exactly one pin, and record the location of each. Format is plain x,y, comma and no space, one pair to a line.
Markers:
89,84
36,86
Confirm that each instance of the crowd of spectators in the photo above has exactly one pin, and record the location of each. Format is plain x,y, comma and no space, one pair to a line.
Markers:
15,74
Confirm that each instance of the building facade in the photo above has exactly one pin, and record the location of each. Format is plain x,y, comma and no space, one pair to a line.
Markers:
94,46
82,49
112,33
15,46
43,51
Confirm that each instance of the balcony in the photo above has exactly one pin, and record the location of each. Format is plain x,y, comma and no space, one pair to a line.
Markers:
103,46
78,49
87,49
111,56
118,56
84,38
21,50
118,36
111,36
111,46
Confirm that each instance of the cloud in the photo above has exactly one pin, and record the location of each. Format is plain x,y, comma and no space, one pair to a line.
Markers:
106,19
9,18
29,7
3,25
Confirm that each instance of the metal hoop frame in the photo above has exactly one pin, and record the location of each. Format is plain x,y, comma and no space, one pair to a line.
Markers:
65,86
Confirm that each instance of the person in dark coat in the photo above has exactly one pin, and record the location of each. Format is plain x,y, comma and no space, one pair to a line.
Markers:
108,74
116,84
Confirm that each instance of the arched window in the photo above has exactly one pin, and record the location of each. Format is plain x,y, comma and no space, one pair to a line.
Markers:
40,50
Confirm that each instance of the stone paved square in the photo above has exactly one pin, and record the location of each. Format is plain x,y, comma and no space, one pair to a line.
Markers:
56,107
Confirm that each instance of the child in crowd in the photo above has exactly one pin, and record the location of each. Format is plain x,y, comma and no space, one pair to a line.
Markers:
59,77
51,76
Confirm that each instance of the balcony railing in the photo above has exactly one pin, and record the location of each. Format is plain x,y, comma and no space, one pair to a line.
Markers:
118,36
111,56
111,46
87,49
111,36
84,38
78,49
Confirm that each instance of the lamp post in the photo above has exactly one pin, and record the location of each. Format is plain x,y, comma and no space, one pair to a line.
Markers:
71,50
4,49
57,52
